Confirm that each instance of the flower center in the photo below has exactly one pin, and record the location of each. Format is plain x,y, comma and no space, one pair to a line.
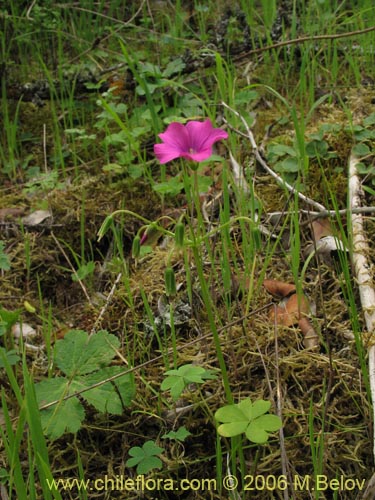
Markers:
192,150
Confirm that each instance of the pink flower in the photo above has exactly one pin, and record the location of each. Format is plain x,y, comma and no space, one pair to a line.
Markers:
192,141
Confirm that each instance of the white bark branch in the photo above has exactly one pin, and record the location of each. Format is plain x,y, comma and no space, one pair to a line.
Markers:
363,270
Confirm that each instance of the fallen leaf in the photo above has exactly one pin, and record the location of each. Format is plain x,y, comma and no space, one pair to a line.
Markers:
289,312
23,330
11,213
279,288
36,217
310,337
321,228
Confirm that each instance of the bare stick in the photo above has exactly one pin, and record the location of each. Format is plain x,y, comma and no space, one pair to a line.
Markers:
268,169
107,302
363,270
304,39
72,268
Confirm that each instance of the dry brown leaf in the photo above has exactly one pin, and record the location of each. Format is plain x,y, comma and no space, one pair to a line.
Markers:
321,228
310,337
288,313
279,288
11,213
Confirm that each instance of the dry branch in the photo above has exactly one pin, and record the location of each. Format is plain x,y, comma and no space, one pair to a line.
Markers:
280,181
363,270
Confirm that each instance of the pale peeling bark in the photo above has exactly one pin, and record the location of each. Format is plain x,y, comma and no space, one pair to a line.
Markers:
363,272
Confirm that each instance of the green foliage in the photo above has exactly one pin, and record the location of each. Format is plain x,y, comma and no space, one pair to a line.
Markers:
180,435
4,258
84,362
11,356
84,271
249,418
7,320
177,380
145,458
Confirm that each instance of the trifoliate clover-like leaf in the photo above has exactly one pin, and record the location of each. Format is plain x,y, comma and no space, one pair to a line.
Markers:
177,380
145,457
249,418
258,429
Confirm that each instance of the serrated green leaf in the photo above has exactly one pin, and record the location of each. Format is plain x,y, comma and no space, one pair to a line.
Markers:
177,389
104,397
173,67
180,435
67,415
169,382
79,354
125,384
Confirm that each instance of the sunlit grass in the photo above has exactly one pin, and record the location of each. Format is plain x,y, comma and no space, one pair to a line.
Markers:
105,131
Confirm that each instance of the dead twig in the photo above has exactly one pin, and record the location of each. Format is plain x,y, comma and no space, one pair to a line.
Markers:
269,170
363,270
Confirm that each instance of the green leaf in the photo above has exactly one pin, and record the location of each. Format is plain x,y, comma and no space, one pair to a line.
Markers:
4,259
316,148
173,67
361,149
66,416
233,429
79,354
178,379
256,433
230,413
84,271
105,398
269,422
281,150
245,96
145,457
172,187
180,435
11,355
9,318
249,418
260,407
369,120
289,165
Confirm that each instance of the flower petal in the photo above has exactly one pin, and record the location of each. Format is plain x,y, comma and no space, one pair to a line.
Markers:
176,142
200,156
176,136
165,153
202,135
